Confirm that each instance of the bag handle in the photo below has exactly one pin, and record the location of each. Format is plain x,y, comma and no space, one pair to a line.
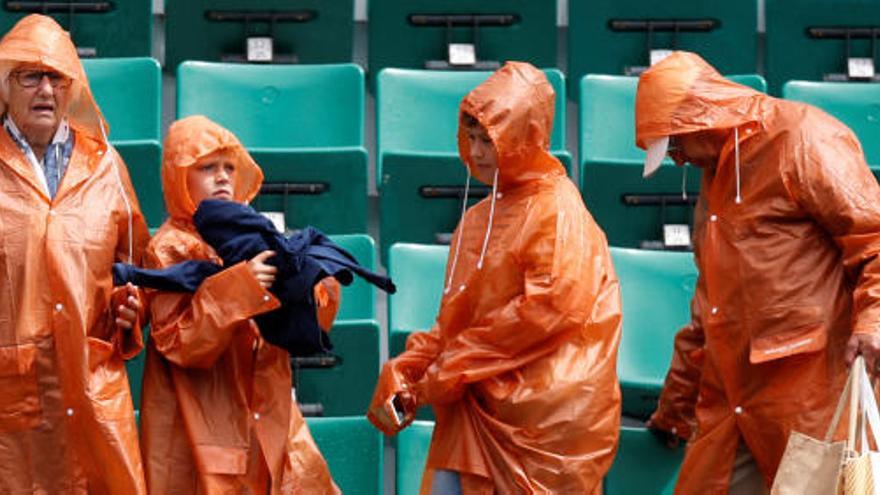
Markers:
841,405
855,387
869,408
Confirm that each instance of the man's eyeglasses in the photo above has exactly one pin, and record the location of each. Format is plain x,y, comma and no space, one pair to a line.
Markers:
33,78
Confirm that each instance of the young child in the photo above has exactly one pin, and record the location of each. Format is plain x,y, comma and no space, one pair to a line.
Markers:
520,366
217,414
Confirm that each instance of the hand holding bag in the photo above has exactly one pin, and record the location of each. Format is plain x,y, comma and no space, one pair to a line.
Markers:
810,466
861,467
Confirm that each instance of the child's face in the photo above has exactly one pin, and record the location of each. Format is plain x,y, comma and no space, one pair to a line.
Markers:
213,177
482,151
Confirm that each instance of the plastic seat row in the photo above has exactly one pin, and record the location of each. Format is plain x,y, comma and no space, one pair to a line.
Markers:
304,125
633,211
617,37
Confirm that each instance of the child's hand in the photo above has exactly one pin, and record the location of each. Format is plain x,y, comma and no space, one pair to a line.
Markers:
126,314
265,274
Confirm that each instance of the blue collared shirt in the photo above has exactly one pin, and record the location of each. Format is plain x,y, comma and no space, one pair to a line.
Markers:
51,169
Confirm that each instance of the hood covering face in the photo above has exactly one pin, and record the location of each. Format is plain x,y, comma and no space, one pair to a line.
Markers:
516,106
38,39
684,94
190,140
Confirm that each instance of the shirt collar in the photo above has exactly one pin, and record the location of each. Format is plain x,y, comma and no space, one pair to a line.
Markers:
61,134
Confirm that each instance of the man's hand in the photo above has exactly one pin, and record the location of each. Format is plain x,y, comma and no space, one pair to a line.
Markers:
264,273
668,438
127,313
868,345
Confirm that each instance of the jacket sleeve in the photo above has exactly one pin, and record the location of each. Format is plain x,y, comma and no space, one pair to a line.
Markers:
832,182
675,408
193,330
565,266
328,297
131,241
400,374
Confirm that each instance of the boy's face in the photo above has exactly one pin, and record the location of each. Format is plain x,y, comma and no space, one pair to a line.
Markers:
482,150
213,177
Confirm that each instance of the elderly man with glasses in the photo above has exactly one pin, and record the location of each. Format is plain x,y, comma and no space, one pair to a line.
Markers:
67,212
35,120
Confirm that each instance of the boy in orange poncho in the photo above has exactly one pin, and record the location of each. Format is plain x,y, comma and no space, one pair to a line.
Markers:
218,416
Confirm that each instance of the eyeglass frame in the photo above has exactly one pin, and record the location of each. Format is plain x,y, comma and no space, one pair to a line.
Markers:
60,81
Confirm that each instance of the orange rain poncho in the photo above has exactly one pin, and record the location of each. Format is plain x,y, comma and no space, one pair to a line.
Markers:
520,366
217,414
66,416
787,274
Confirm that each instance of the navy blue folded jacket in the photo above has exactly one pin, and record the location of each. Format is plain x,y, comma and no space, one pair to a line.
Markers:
237,233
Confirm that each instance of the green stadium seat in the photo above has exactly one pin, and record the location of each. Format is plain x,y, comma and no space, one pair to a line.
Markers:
418,170
643,465
611,36
854,104
806,39
649,328
611,166
103,29
345,389
359,298
412,445
302,123
129,92
144,161
417,270
353,450
414,34
303,31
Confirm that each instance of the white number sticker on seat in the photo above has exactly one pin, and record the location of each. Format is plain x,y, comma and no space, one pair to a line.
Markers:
259,49
676,235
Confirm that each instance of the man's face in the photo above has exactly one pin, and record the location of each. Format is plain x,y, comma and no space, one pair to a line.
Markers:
482,153
701,149
38,101
213,177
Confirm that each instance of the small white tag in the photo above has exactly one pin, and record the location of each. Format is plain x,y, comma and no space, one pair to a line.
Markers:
659,54
277,219
443,238
462,54
259,49
676,235
860,67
